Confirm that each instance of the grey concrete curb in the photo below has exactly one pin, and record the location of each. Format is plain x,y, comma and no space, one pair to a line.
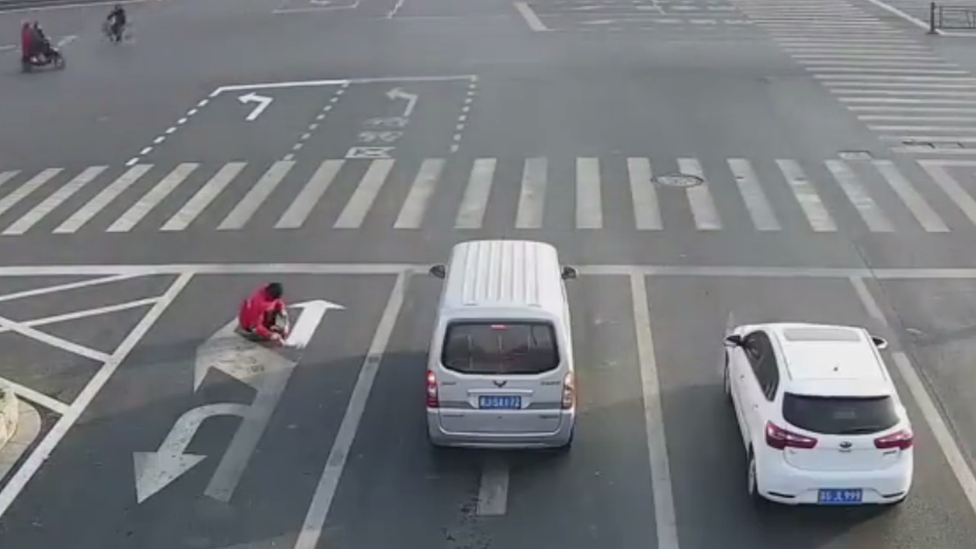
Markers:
9,413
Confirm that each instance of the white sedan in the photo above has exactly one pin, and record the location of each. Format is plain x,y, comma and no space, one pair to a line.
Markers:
820,418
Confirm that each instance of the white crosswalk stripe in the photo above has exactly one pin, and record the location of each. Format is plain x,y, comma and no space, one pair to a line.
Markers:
765,195
873,65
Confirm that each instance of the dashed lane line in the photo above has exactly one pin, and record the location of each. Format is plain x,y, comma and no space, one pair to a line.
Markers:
314,126
462,120
169,131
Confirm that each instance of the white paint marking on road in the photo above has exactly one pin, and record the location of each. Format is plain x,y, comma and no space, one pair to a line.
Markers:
532,198
262,104
357,208
664,515
647,213
102,199
412,213
471,214
926,150
700,197
241,213
913,200
33,463
67,40
203,197
36,397
881,94
318,511
67,286
882,78
396,8
806,195
872,215
85,313
336,82
898,118
493,488
27,188
760,211
7,176
530,17
926,404
843,69
889,108
299,210
78,5
908,86
899,13
951,187
41,211
824,57
147,203
589,200
961,129
53,341
7,48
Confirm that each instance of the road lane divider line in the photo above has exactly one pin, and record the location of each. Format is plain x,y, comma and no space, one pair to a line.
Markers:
36,397
318,121
664,514
318,510
462,120
493,489
926,404
160,139
530,17
33,463
85,313
53,341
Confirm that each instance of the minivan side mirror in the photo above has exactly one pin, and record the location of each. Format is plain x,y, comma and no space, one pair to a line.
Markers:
570,273
439,270
733,340
879,342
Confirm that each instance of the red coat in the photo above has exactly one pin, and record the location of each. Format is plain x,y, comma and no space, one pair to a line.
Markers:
26,37
254,312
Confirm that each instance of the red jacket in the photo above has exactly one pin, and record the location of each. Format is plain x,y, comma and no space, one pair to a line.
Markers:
254,312
26,37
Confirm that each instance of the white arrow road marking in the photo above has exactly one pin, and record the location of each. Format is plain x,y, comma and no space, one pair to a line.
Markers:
398,93
156,470
262,101
262,368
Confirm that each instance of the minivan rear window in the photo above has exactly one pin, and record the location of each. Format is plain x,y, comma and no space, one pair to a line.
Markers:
840,415
500,348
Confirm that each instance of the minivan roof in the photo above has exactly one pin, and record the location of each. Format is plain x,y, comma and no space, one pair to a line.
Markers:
504,275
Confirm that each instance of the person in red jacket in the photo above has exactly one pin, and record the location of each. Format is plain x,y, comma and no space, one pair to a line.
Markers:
260,311
26,41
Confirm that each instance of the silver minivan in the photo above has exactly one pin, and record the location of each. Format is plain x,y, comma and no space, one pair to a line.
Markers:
500,365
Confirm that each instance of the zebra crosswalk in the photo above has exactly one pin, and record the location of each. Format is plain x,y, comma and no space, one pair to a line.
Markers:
494,194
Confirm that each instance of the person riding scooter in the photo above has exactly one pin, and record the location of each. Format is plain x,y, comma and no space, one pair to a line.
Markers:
260,314
41,46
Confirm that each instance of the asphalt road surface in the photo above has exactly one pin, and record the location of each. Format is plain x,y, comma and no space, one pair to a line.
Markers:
770,160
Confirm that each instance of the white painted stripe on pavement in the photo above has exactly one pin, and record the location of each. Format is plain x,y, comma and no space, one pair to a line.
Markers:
935,138
260,192
807,196
924,150
647,213
532,198
313,191
898,109
412,213
899,118
16,484
907,86
318,510
818,47
700,198
47,206
926,405
905,101
493,489
760,211
203,197
843,69
872,215
157,194
913,200
36,397
27,188
354,213
665,520
917,93
878,77
962,129
824,58
908,66
531,19
847,43
7,176
589,200
471,214
102,199
951,187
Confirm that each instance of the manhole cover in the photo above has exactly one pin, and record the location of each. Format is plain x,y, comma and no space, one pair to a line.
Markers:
678,180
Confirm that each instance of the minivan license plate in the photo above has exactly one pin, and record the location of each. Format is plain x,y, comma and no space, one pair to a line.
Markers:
498,402
840,496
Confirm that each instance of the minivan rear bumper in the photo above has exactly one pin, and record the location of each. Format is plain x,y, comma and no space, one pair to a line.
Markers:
507,440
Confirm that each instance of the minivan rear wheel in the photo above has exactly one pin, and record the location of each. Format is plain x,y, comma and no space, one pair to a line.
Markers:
752,480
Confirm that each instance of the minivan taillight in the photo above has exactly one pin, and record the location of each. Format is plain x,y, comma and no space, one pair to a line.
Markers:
779,438
569,391
902,440
432,400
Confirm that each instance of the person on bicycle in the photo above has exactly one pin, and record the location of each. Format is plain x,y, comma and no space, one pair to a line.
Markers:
259,313
116,20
